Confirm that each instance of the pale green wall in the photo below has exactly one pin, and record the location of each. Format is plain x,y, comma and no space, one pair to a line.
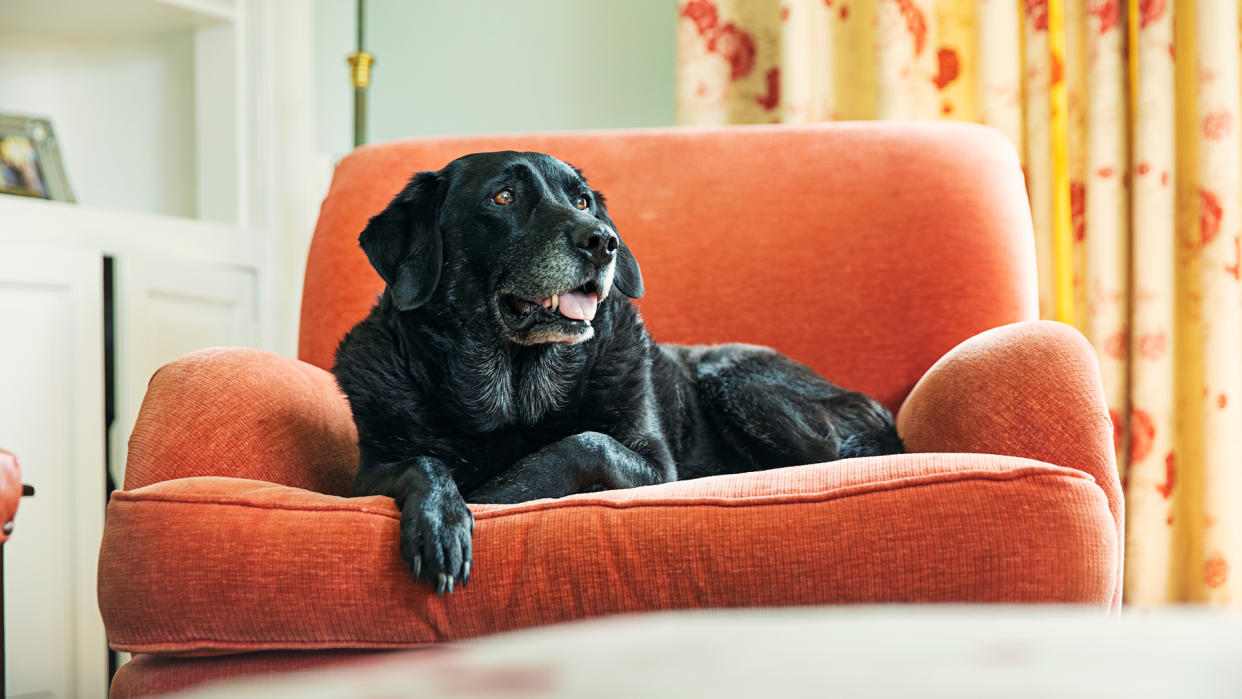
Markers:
333,41
469,66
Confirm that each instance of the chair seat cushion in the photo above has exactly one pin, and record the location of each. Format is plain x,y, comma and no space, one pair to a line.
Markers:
211,565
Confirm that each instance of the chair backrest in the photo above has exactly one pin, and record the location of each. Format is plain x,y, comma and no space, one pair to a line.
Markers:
865,250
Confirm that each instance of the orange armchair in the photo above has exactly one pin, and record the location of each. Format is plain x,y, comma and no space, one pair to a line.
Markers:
895,259
11,493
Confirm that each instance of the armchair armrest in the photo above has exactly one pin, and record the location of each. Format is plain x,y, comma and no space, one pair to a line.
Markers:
244,413
1029,389
10,492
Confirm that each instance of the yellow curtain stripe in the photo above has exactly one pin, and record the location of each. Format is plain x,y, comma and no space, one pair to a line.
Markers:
1062,236
1132,11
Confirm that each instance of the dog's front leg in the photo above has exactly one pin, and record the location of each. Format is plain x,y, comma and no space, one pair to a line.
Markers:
575,464
436,525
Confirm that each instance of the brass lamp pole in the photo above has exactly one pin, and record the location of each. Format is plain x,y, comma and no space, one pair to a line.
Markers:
360,75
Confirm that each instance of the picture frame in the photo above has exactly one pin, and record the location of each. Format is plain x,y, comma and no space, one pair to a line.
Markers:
30,163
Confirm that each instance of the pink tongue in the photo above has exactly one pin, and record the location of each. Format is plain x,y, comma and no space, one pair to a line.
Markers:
579,306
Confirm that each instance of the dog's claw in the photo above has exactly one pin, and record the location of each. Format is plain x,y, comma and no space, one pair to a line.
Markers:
450,584
418,565
440,587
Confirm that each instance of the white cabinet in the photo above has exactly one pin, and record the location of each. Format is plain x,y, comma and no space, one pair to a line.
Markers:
51,415
164,308
178,286
187,130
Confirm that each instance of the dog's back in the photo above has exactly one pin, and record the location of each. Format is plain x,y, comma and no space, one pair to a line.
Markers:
735,407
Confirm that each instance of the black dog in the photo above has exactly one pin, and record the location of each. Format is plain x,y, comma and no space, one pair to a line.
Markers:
502,363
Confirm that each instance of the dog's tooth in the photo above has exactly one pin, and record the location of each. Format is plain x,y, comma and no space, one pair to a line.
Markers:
556,301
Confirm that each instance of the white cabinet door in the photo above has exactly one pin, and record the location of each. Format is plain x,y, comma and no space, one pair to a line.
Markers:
163,309
52,417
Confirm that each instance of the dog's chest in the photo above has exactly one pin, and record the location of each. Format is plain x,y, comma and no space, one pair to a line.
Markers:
500,386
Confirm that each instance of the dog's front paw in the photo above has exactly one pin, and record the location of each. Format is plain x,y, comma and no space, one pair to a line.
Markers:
436,540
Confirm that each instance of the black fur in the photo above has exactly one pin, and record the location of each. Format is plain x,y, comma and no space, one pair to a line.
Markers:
459,388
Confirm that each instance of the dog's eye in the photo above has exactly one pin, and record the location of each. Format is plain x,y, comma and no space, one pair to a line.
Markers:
583,203
504,197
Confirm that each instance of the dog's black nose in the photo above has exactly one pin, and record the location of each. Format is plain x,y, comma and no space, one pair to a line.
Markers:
599,243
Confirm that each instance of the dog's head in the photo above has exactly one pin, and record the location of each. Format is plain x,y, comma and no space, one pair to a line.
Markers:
517,238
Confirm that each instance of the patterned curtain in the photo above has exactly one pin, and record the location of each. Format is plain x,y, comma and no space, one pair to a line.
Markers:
1125,114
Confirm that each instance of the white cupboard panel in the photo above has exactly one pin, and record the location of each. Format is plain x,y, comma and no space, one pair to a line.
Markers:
52,417
164,309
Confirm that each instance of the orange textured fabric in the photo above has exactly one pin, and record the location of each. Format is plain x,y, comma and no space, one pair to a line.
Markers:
10,490
1028,389
247,414
217,565
865,250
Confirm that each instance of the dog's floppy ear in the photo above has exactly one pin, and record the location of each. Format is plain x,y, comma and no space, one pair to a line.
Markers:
628,279
404,245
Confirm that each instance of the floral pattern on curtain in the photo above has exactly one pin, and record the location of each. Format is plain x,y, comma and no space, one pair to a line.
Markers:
1125,114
